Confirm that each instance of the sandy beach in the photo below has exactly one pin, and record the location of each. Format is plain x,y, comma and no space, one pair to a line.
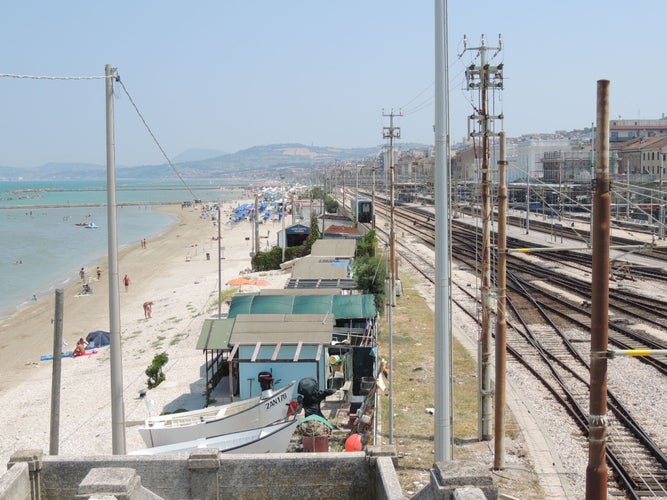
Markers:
173,272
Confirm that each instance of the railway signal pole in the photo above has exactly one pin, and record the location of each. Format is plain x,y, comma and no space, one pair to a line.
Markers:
485,77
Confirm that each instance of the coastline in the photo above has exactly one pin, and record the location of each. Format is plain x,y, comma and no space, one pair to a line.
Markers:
175,273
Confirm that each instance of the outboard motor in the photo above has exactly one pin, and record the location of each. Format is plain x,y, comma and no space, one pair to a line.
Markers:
265,380
310,396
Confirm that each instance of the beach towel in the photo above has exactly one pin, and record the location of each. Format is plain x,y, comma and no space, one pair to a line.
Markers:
66,354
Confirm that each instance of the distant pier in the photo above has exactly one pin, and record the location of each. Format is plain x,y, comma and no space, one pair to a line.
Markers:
88,205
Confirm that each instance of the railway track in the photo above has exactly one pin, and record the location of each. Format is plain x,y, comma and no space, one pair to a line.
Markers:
549,335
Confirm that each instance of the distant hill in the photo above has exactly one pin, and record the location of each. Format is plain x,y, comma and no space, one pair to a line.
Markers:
197,154
247,165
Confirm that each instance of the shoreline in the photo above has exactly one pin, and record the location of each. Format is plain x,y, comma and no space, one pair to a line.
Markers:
175,273
48,290
52,255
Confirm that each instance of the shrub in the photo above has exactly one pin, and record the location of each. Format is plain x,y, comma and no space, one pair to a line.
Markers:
154,371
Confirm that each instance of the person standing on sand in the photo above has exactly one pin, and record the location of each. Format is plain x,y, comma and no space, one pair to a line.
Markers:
82,274
148,309
126,282
99,273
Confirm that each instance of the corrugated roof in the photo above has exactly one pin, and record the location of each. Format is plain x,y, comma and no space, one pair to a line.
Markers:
316,283
297,291
215,334
282,328
341,306
319,267
338,248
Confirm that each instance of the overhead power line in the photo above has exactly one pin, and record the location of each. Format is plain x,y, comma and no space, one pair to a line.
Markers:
45,77
157,143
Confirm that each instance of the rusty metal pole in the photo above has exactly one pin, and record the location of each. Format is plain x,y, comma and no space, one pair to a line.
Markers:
596,472
501,319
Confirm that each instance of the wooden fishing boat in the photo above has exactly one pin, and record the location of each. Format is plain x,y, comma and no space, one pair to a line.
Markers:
216,420
272,438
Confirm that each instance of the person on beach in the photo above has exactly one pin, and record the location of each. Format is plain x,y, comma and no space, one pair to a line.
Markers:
148,309
99,273
126,282
80,348
82,274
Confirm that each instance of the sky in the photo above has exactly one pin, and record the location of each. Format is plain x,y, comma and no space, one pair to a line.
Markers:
233,74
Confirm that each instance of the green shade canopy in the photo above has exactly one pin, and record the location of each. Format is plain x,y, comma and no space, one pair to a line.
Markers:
215,334
341,306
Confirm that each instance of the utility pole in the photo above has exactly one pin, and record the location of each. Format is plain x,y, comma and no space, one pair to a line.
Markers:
219,265
284,243
596,471
373,202
501,317
391,132
116,356
485,77
256,225
443,418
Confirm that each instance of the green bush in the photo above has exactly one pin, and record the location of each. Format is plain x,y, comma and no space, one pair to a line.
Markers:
154,371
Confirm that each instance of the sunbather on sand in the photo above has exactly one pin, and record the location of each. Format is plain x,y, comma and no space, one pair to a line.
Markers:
80,348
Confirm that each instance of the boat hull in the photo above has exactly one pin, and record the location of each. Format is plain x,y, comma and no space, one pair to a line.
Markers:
273,438
215,421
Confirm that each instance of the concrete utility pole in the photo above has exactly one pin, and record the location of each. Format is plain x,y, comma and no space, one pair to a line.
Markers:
54,435
219,265
443,419
256,225
373,202
284,242
392,133
117,404
596,471
484,77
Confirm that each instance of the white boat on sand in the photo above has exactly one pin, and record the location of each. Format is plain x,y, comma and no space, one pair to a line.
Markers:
238,416
273,438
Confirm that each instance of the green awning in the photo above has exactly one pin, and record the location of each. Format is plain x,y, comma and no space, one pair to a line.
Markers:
215,334
341,306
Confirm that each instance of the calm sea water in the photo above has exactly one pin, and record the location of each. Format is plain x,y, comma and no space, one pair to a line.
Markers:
43,249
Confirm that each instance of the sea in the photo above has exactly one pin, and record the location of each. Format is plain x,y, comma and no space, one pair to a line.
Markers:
42,248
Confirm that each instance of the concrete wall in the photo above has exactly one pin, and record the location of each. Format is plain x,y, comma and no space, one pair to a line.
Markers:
206,473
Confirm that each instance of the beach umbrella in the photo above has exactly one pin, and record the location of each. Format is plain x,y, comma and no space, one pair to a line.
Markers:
98,338
258,282
239,281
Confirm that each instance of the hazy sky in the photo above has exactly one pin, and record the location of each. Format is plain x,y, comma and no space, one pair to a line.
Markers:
231,74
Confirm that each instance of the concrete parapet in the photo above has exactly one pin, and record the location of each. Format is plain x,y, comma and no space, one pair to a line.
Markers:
16,483
205,473
468,493
204,467
387,485
456,476
384,450
33,458
121,483
163,475
297,475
